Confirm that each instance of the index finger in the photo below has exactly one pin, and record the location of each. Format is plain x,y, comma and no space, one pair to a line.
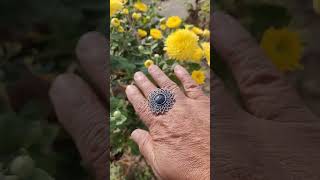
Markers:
163,80
92,52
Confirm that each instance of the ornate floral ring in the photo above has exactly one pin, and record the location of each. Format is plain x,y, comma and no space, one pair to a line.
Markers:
161,101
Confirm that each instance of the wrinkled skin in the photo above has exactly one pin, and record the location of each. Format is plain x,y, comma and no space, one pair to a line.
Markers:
177,145
275,136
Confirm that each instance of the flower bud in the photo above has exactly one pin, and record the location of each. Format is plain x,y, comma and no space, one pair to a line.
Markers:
22,166
117,114
141,48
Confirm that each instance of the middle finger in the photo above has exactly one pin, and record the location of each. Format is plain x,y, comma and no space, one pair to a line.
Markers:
144,84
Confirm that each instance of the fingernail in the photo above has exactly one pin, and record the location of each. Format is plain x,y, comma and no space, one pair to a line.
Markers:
131,89
135,135
152,68
178,69
62,84
138,76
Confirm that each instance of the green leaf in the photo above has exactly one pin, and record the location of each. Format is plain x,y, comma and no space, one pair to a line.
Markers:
267,15
121,63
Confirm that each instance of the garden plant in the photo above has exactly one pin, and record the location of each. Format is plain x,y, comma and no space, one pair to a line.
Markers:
141,37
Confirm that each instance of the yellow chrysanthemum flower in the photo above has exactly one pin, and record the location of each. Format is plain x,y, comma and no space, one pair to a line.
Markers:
283,47
115,6
163,27
188,26
136,16
142,33
198,76
197,30
156,34
120,29
115,22
141,6
148,63
316,6
206,33
197,55
181,45
125,11
173,22
206,50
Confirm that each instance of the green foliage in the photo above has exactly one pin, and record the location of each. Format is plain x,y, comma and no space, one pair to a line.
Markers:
267,15
23,133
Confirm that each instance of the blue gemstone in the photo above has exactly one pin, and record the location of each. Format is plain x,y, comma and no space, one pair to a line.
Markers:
159,99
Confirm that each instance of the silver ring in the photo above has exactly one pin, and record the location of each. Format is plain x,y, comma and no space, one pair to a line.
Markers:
161,101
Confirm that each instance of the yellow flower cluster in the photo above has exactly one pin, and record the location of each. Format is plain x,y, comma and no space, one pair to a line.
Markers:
182,42
183,45
283,47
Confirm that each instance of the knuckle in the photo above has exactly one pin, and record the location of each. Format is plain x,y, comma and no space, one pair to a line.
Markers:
191,86
142,108
170,86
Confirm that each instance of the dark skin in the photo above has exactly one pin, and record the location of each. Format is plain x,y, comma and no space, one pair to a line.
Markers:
274,136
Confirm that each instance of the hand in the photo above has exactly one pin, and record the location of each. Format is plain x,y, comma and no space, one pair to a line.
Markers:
80,110
177,145
275,136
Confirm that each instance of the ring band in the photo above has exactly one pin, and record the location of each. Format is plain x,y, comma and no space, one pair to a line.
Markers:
161,101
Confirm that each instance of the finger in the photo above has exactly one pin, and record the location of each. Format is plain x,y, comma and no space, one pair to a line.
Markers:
139,103
82,115
262,87
191,88
144,83
144,141
163,80
92,52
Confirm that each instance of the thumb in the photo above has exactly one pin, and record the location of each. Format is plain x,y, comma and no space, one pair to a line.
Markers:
144,141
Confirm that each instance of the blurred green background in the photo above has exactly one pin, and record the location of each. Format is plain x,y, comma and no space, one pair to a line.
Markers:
37,42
